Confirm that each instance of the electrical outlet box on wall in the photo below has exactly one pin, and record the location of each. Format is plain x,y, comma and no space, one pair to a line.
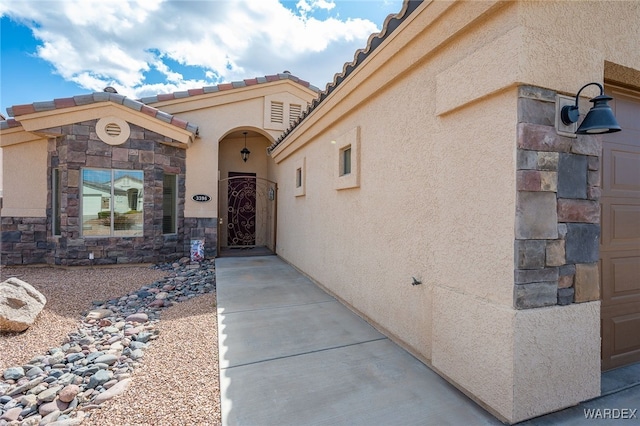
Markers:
562,129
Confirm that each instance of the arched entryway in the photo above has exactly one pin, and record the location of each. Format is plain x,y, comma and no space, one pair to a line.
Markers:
247,199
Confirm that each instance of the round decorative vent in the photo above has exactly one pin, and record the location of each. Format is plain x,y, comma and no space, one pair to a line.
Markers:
113,130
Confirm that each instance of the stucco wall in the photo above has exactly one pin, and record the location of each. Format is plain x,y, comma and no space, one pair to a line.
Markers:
25,179
435,202
203,159
437,110
434,207
518,364
217,115
575,39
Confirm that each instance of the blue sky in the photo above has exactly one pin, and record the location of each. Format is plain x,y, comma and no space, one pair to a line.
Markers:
55,49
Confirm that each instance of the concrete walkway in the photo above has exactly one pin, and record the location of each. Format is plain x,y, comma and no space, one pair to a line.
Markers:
290,354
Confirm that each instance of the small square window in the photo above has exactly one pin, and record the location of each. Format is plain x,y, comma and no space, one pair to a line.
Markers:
298,177
345,161
299,189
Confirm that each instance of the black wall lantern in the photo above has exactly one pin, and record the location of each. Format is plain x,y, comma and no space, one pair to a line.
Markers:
245,152
599,119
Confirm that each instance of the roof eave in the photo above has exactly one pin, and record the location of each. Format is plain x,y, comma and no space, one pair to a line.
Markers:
161,123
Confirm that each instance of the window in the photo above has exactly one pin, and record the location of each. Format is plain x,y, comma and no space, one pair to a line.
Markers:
300,165
56,198
169,203
298,177
345,161
112,203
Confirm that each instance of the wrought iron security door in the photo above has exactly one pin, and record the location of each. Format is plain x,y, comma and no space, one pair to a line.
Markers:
250,206
241,209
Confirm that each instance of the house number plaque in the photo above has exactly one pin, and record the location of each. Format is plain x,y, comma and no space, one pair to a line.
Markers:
202,198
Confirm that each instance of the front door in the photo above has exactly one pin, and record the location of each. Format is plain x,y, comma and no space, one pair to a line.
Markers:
241,209
620,239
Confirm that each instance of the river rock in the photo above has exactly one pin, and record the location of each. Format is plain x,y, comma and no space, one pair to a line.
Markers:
27,386
33,372
28,400
55,358
49,395
50,418
138,317
68,393
13,373
96,362
143,336
136,354
32,421
101,377
158,303
11,414
50,407
115,390
106,359
20,305
98,314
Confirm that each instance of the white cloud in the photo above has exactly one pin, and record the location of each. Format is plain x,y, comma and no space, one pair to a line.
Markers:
304,6
100,43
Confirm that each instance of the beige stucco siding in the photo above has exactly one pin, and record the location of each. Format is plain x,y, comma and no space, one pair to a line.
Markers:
25,179
436,106
567,43
218,114
431,206
557,358
202,161
435,202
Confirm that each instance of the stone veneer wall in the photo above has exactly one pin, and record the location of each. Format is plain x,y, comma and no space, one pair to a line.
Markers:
557,208
24,240
30,240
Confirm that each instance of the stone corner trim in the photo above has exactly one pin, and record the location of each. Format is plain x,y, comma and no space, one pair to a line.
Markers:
557,217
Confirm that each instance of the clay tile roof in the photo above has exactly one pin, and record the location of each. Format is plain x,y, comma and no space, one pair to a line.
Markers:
142,105
7,124
62,103
228,86
195,92
390,24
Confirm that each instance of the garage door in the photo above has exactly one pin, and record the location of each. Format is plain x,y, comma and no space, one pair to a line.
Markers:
620,239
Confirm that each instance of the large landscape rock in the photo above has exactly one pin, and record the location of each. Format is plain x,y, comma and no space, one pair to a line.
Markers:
20,305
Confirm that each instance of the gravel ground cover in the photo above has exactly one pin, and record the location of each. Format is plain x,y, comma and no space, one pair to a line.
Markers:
178,380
